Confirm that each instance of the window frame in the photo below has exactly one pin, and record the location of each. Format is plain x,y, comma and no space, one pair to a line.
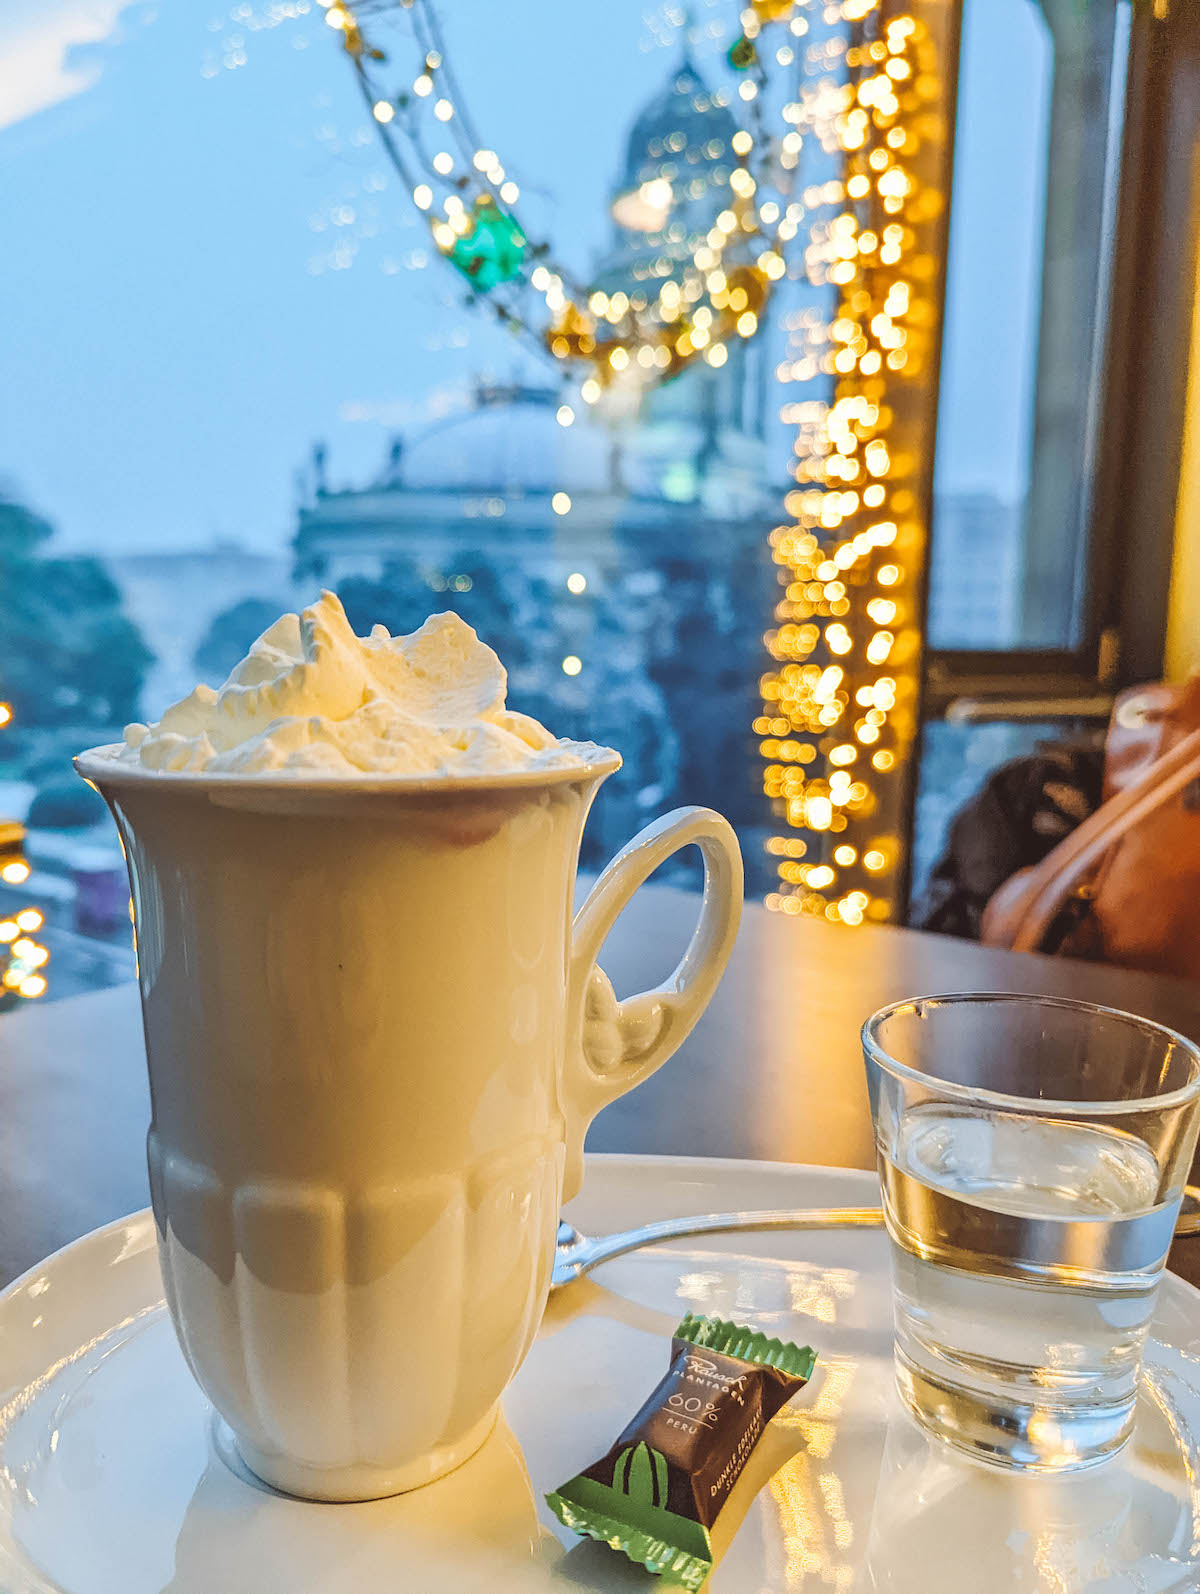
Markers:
1128,524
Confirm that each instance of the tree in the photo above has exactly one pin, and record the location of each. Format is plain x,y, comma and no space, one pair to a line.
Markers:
68,652
405,595
400,599
706,655
228,638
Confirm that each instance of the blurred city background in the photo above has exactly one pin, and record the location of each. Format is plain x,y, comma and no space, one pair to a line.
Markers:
236,372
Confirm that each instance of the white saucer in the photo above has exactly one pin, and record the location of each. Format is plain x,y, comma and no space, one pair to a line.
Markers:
112,1482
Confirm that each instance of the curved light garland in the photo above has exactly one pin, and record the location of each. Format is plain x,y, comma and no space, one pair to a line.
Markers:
707,302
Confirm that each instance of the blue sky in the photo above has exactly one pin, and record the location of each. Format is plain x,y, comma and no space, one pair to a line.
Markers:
209,263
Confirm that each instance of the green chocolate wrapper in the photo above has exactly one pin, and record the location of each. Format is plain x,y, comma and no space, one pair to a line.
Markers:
657,1493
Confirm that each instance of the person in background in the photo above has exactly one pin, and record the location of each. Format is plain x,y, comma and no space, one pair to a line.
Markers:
1022,811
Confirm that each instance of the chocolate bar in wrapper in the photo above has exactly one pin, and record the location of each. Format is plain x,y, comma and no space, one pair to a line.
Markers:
657,1493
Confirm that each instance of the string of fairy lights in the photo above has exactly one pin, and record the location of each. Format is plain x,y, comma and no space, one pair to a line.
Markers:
862,108
22,958
708,291
839,708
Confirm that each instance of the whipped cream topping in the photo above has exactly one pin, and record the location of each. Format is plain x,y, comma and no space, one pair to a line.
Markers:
312,697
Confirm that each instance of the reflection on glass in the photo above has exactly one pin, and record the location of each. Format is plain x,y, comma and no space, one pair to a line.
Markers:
1031,235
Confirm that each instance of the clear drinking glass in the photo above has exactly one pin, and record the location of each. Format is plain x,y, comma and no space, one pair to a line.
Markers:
1033,1153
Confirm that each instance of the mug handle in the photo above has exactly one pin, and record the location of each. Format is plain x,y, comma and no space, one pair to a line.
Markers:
622,1043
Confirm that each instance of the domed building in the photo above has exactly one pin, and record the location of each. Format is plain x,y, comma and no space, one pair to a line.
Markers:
689,468
674,183
631,549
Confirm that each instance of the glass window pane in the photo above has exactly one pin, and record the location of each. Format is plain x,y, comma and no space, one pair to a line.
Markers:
1039,110
241,371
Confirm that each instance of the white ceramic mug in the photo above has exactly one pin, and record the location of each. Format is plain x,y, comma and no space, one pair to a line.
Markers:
375,1045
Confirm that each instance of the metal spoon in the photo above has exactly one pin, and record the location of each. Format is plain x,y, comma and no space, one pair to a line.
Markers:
576,1254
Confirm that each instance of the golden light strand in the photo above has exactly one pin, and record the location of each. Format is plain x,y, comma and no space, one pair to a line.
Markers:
839,708
23,958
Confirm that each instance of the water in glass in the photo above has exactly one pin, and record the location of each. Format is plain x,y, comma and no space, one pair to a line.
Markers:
1026,1252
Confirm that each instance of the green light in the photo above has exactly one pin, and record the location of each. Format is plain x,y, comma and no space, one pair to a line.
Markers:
493,251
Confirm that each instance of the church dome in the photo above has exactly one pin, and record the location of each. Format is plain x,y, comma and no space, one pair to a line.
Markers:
685,127
673,185
511,443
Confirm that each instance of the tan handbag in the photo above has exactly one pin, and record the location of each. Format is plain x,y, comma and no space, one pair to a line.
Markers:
1131,871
